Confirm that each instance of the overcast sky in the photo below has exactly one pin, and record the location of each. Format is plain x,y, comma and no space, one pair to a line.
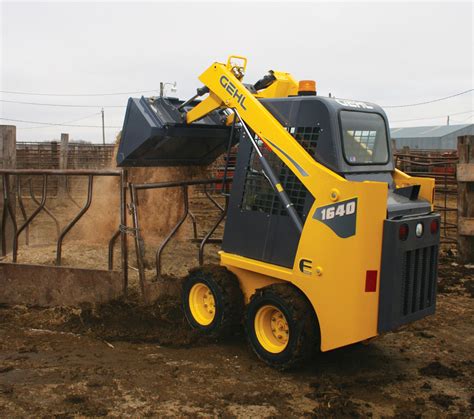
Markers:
387,53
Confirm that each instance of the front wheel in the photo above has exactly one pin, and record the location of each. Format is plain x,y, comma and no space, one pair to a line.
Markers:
212,300
281,327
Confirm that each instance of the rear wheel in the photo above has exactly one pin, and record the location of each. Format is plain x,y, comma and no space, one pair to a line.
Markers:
212,300
281,327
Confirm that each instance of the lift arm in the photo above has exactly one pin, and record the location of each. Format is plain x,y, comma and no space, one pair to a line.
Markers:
226,90
224,82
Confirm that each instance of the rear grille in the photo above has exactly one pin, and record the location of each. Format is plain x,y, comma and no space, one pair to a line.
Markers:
418,279
408,273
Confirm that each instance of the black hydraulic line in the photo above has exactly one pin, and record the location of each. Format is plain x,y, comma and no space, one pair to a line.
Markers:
161,185
199,92
273,179
224,190
265,81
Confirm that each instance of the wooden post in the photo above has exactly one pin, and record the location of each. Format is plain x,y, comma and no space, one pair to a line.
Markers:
8,146
7,161
465,179
63,163
393,143
64,151
406,167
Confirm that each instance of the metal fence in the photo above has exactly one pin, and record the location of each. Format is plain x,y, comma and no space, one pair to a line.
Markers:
440,165
205,185
56,284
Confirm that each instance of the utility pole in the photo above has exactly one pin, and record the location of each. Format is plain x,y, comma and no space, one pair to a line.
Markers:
163,85
103,127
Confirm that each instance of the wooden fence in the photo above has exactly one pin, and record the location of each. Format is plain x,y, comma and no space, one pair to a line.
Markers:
465,177
51,155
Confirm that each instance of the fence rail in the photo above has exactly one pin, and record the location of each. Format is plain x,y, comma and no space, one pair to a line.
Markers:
442,167
62,155
10,204
48,155
184,186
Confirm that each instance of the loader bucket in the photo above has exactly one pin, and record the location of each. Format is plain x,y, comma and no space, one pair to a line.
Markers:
155,134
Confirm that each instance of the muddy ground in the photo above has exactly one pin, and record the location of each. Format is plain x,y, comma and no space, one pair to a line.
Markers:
124,358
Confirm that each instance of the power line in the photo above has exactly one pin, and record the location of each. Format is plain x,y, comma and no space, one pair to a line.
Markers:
62,123
435,117
429,101
464,119
60,105
146,91
58,124
76,94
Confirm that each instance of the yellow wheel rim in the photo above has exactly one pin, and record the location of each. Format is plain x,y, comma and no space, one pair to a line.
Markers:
271,328
202,304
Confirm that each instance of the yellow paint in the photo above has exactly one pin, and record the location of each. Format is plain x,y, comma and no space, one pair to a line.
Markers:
232,63
230,119
209,104
202,304
284,85
279,187
427,185
249,280
265,125
271,329
336,287
346,313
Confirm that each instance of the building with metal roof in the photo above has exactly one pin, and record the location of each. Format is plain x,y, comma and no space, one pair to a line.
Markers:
440,137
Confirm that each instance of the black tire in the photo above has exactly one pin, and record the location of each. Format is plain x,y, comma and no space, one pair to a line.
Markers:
302,325
228,299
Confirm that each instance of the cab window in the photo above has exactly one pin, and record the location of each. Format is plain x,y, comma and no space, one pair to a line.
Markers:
364,138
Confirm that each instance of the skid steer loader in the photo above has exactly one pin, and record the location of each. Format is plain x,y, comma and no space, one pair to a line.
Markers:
326,243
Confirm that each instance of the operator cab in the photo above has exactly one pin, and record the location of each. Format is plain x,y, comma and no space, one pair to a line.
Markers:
352,138
349,137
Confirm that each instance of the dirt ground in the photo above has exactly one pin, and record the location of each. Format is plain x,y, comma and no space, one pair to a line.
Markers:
124,358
